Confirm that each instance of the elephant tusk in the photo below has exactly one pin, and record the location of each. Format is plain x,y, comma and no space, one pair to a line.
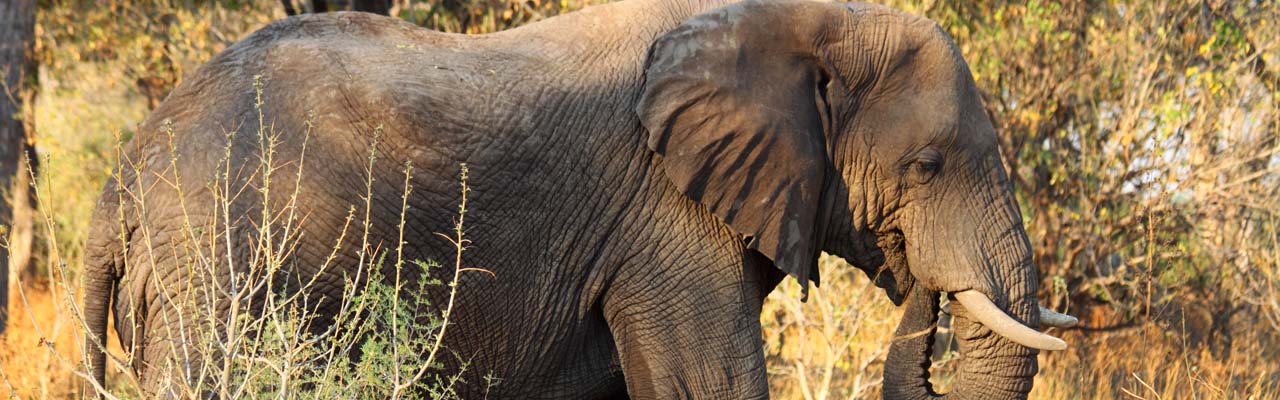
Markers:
1048,317
986,313
1056,319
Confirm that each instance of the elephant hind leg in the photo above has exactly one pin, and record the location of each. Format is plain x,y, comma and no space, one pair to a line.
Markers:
175,356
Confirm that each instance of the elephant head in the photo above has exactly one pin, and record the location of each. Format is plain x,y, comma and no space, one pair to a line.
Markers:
857,130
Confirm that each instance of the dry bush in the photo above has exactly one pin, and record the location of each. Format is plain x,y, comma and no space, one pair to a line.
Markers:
832,346
102,65
250,333
253,335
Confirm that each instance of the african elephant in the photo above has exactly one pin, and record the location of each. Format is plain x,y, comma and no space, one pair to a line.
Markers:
643,174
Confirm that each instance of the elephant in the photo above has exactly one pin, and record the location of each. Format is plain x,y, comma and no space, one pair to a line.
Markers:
642,175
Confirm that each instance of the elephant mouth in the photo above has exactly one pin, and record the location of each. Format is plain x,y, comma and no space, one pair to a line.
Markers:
893,274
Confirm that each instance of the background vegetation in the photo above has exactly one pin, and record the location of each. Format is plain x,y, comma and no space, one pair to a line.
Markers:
1141,137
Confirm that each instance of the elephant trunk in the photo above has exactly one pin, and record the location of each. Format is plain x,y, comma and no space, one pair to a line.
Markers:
993,367
994,304
999,355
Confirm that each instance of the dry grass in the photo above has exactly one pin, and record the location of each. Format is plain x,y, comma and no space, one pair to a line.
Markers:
39,333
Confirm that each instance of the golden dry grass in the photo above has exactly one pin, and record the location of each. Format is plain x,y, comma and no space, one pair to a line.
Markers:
42,344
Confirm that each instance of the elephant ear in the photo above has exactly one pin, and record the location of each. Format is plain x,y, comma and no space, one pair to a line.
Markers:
737,115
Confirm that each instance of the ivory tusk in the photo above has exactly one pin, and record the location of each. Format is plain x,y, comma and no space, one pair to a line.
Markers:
1056,319
986,313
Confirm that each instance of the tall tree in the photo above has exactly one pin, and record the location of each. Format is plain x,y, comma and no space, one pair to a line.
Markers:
17,66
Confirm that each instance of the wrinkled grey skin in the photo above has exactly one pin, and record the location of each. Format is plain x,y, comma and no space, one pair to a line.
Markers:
643,174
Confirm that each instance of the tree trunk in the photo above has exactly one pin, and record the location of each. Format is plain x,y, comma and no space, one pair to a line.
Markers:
17,67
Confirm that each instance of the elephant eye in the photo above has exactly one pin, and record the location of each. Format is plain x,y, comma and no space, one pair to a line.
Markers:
925,167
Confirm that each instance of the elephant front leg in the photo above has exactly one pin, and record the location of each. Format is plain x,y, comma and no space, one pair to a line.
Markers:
688,342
